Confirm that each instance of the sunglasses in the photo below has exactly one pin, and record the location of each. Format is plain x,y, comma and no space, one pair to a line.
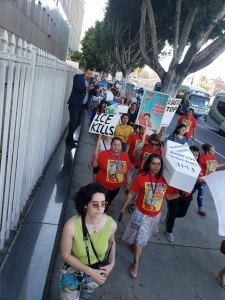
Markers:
97,204
154,144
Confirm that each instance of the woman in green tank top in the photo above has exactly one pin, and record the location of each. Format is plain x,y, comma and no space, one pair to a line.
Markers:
79,276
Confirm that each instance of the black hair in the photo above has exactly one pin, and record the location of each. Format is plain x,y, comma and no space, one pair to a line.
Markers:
206,147
178,127
85,195
154,137
147,114
89,68
125,114
195,149
191,109
146,167
100,104
116,138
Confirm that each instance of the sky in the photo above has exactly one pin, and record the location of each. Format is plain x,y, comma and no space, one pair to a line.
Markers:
94,10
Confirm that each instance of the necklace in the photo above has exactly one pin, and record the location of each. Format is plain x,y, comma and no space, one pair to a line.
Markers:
93,228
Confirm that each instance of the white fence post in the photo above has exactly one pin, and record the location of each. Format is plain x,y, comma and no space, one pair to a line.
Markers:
33,115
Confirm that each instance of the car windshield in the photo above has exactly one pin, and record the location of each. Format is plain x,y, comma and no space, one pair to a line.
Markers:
199,101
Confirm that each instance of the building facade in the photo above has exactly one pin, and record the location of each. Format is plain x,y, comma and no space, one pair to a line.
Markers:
44,23
75,14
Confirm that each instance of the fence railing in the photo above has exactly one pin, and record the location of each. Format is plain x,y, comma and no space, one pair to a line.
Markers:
34,88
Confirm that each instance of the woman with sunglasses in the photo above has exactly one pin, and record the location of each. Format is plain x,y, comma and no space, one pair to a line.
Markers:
79,276
152,147
114,169
151,187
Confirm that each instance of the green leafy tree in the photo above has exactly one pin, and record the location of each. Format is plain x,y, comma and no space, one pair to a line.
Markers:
123,18
196,24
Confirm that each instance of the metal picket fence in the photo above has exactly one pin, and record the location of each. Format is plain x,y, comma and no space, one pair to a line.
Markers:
34,88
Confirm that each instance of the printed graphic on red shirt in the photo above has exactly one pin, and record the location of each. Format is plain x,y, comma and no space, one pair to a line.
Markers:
188,124
153,202
115,171
211,166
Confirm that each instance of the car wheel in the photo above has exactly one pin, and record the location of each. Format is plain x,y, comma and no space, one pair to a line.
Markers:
221,132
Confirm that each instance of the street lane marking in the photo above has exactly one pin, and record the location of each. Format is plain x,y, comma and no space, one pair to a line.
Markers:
212,131
215,151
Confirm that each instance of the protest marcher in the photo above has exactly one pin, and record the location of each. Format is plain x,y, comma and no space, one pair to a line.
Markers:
105,144
152,147
221,274
109,95
86,265
177,208
97,104
82,85
179,135
123,130
200,184
133,145
190,122
114,169
151,188
132,112
209,164
138,103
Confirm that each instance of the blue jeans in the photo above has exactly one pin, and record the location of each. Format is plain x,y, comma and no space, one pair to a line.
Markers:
200,187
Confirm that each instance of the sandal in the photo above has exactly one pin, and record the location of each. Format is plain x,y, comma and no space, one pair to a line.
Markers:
133,274
202,213
131,208
220,280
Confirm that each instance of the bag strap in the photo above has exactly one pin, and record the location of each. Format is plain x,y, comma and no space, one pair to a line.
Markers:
86,236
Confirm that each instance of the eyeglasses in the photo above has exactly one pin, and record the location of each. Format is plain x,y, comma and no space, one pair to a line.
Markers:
154,144
97,204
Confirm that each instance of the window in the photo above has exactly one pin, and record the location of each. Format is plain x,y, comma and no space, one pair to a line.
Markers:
221,108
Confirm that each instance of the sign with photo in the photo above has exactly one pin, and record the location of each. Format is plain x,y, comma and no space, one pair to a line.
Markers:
152,108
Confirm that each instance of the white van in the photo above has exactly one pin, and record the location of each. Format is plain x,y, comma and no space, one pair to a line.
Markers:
216,114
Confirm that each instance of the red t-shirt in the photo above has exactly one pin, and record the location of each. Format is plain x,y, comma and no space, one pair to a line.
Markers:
145,154
134,141
146,202
189,122
112,172
208,164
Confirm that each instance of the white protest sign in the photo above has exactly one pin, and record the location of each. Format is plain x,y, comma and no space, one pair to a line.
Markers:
171,108
104,124
215,182
116,109
180,168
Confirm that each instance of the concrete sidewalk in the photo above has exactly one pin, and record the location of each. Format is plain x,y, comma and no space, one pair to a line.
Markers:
185,269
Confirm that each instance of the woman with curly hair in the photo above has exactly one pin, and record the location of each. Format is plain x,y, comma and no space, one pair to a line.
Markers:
85,264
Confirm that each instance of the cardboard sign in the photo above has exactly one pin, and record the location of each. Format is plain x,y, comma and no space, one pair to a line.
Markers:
152,108
130,90
116,109
215,182
180,168
104,124
171,108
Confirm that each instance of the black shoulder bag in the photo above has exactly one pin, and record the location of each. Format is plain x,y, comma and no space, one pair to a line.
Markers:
86,236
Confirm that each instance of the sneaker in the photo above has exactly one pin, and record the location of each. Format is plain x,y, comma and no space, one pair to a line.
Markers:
169,236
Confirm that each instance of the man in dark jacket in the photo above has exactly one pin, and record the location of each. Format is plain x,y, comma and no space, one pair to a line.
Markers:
78,100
